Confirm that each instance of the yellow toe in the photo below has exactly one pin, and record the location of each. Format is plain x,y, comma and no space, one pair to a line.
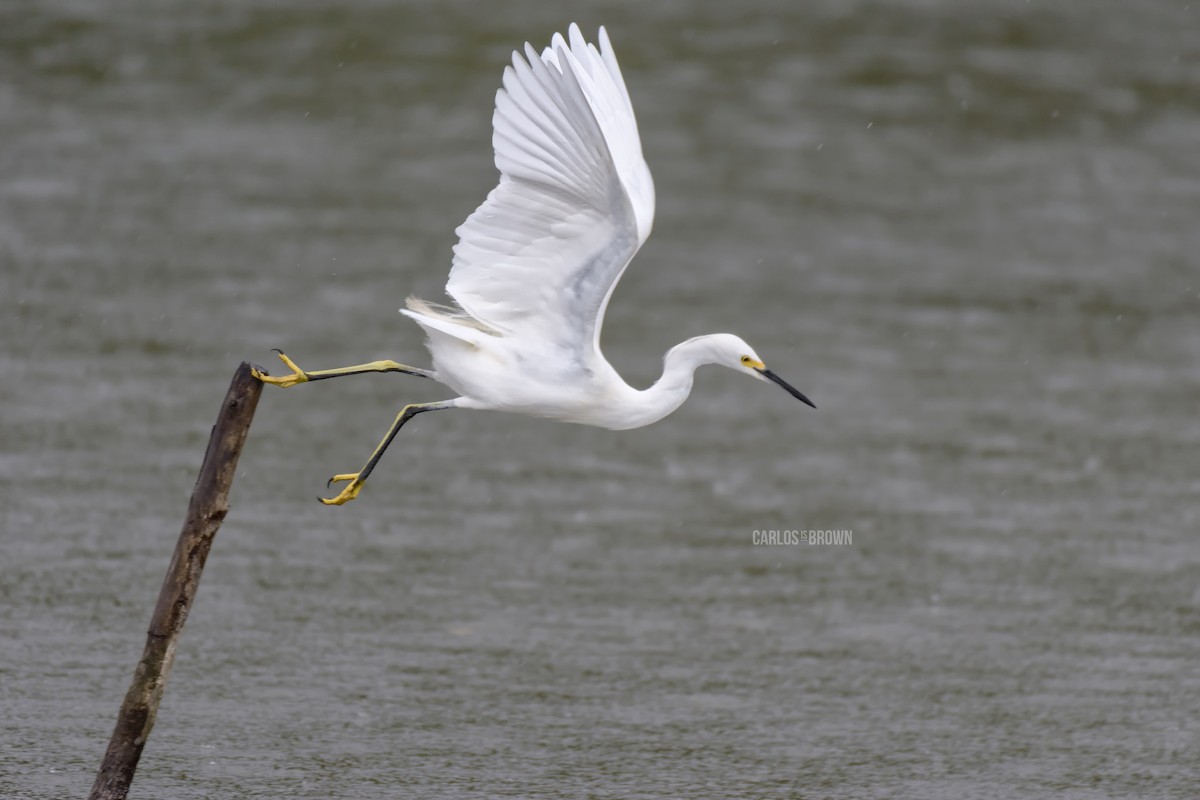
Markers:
349,493
287,362
298,375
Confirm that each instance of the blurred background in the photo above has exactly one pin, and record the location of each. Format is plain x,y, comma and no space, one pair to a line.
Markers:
967,231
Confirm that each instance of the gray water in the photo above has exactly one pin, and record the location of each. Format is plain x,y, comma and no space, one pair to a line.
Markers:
967,230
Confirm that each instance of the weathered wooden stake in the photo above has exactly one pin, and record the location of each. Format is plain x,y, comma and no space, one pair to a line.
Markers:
208,507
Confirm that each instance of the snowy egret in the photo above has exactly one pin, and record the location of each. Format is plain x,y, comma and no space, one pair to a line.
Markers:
535,265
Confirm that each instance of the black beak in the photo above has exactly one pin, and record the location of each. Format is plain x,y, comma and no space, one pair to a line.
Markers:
792,390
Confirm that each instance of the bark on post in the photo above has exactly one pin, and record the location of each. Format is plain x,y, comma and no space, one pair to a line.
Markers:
208,507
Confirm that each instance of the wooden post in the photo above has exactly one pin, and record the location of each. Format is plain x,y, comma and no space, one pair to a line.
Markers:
208,507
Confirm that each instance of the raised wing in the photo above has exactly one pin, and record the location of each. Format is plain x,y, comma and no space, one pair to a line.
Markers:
542,254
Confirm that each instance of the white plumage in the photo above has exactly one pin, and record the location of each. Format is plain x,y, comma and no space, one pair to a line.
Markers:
540,257
535,265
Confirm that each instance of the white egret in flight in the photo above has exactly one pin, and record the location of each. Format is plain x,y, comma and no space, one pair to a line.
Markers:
535,265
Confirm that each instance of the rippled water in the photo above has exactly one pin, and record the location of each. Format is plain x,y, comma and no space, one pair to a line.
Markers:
968,231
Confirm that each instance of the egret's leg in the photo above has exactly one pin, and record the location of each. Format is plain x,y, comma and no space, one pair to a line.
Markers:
356,479
299,376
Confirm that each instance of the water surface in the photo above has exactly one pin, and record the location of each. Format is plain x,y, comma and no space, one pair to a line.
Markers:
968,231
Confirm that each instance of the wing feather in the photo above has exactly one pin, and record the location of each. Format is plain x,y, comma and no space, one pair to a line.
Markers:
575,200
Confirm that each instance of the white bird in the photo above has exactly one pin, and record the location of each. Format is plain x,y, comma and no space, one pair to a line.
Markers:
535,265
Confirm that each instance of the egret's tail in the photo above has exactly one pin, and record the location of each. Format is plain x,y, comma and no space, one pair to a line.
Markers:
450,320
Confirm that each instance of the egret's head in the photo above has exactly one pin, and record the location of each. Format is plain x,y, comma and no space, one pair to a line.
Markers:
733,352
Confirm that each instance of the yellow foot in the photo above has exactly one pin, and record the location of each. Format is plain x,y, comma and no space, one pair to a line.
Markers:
349,493
298,375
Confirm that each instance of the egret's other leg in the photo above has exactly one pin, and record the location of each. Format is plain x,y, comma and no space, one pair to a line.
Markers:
299,376
356,479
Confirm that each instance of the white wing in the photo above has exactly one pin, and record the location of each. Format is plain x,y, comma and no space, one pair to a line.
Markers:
541,256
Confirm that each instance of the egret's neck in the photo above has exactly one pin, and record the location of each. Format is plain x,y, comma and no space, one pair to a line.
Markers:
670,390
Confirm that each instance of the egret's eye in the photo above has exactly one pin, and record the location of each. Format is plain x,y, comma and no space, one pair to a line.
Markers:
746,360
